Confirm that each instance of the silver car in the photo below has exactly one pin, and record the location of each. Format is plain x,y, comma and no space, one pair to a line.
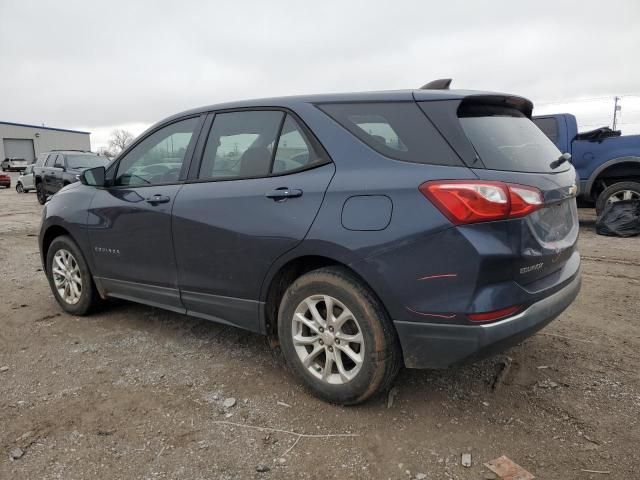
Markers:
25,180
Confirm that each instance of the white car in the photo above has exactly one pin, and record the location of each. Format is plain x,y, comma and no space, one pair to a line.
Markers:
25,180
15,164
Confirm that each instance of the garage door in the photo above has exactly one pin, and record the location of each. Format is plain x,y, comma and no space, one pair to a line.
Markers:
19,148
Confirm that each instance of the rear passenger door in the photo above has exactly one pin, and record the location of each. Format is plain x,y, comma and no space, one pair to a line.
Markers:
254,195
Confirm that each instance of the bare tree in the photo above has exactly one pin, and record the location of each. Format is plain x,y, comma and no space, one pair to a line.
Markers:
119,140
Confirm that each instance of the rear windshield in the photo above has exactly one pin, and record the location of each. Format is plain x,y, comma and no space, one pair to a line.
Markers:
86,161
397,130
505,139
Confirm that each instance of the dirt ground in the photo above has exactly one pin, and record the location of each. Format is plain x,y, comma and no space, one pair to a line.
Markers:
137,392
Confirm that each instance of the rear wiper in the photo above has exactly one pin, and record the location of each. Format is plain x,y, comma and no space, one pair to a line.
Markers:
565,157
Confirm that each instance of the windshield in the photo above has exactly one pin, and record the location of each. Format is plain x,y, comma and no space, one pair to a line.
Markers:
86,161
505,139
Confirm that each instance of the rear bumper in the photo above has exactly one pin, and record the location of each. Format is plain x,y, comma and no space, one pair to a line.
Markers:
431,345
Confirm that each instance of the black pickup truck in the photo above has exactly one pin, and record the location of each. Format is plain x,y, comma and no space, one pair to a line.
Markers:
60,168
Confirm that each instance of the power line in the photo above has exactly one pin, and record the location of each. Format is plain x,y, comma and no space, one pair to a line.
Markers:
586,99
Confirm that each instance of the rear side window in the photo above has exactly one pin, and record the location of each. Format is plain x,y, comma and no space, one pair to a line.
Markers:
397,130
549,127
505,139
294,151
51,159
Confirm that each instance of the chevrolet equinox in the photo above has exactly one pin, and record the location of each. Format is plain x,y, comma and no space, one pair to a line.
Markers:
365,231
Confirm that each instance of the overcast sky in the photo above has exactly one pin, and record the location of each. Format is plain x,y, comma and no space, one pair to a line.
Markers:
98,65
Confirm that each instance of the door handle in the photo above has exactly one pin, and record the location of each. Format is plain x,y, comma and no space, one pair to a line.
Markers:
157,198
283,193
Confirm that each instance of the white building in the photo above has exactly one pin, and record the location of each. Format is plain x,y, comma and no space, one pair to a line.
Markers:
27,141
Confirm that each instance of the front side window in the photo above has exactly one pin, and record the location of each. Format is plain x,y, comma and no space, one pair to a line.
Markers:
240,145
294,151
159,157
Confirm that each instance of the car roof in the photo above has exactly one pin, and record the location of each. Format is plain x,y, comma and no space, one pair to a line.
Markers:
356,97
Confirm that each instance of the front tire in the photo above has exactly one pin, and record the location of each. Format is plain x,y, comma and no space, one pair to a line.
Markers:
336,336
20,188
616,192
42,196
69,277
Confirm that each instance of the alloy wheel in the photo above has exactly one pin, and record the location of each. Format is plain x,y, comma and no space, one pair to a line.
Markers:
66,276
624,195
328,339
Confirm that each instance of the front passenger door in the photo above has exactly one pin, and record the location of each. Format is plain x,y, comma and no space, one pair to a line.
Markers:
48,174
58,171
130,221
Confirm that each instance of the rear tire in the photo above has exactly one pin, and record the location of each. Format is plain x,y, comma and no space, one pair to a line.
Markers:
618,191
42,196
69,277
344,363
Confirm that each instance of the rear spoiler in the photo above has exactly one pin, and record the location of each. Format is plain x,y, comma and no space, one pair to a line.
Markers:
495,100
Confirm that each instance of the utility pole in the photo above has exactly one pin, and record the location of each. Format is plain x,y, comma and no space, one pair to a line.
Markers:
616,109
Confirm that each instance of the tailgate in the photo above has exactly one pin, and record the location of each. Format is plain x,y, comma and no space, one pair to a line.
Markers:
545,239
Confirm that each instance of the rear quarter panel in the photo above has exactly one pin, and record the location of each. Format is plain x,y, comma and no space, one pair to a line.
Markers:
383,256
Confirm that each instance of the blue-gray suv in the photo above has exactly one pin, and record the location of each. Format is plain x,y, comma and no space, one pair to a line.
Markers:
363,231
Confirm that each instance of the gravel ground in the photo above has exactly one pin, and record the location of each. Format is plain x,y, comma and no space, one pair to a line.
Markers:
137,392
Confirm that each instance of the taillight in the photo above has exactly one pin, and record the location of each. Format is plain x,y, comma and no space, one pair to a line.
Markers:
524,200
470,201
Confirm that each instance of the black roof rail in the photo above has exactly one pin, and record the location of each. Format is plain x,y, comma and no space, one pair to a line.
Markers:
440,84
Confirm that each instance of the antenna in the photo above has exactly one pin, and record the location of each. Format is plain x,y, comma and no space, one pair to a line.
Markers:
440,84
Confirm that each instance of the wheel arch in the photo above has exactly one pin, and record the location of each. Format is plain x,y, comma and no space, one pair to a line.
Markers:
286,273
620,167
50,234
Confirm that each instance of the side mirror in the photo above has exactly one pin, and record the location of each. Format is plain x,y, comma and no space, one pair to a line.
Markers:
94,177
